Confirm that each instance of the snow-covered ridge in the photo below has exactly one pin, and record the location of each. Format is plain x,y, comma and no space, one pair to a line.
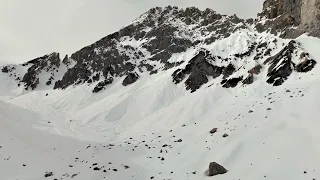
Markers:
149,45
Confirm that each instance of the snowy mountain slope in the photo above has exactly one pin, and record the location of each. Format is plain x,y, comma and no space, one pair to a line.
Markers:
277,139
139,103
150,44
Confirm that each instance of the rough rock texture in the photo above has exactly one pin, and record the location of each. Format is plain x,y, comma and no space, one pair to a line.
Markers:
248,80
281,65
131,78
198,69
283,15
101,85
306,65
215,169
231,83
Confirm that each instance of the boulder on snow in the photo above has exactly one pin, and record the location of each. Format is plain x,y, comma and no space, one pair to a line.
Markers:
248,80
214,130
101,85
215,169
232,82
305,66
131,78
255,70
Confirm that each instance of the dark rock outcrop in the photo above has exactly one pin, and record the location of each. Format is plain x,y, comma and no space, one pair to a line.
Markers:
198,70
216,169
291,18
231,83
228,71
248,80
131,78
101,85
281,65
305,66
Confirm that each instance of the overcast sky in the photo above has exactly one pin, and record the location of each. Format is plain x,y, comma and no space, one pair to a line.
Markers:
32,28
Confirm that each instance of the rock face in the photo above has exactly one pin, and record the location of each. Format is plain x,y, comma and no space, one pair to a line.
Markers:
281,65
306,65
227,51
198,70
215,169
131,78
101,85
283,15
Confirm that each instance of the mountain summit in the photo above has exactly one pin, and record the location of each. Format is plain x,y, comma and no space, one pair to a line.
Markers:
221,45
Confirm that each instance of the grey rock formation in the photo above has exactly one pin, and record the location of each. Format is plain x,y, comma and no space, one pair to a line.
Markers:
281,65
198,70
248,80
101,85
232,82
291,18
131,78
306,65
216,169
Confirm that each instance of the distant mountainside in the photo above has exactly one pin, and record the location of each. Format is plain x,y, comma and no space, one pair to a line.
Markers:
226,47
179,94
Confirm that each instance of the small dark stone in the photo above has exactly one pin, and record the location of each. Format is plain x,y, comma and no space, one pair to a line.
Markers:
96,168
214,130
115,169
48,174
215,169
250,111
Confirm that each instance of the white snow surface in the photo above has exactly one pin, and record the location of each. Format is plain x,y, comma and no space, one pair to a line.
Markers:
69,130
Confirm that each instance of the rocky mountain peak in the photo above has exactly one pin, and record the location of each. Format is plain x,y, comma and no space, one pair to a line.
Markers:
222,45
